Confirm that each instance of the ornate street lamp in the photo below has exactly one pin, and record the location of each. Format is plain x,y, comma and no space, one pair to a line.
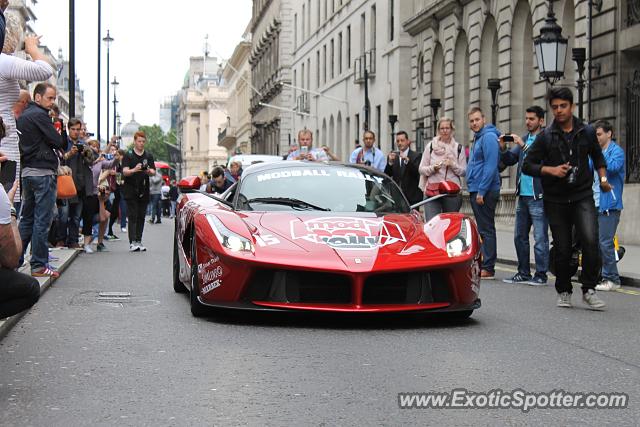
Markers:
494,86
393,119
115,84
435,106
579,55
119,123
107,40
551,49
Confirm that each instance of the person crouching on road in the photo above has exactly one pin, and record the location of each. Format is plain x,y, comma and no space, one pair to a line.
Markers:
443,160
530,207
219,183
560,155
18,291
609,204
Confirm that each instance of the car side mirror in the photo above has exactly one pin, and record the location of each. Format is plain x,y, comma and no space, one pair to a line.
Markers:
189,184
445,188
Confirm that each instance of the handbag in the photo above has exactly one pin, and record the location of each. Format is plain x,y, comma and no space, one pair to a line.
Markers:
433,188
66,187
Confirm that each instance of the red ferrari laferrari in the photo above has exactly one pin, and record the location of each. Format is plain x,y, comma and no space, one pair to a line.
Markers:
327,237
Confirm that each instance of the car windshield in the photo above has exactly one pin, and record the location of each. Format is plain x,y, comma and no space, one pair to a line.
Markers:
325,188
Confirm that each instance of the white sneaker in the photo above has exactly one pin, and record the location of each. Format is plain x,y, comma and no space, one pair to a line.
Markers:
142,248
133,247
87,249
123,229
607,285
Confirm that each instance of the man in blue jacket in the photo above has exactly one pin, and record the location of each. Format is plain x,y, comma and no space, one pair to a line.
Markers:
530,207
610,205
483,182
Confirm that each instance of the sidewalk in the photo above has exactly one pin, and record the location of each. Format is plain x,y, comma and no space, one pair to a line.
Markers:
628,267
66,256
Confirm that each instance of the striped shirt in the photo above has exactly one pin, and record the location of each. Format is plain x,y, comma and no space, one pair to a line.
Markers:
13,69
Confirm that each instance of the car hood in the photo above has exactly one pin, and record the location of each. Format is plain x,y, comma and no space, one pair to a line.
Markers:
353,242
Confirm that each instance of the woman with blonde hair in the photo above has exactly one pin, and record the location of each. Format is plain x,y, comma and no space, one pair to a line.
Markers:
444,159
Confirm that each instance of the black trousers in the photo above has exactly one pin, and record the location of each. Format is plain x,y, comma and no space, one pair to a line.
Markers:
115,210
562,218
136,211
90,208
18,292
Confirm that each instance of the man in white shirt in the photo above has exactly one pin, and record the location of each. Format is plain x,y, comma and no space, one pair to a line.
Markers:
305,150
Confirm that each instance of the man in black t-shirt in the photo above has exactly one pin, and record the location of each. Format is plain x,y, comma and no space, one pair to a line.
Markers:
137,166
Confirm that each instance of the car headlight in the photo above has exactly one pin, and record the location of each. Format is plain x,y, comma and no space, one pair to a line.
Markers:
462,241
227,238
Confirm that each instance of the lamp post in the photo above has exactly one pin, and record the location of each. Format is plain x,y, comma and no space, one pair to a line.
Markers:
435,106
579,55
72,59
119,123
115,84
551,49
99,68
393,119
494,86
108,40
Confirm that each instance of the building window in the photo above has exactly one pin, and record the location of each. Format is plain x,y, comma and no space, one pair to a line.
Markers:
420,68
295,29
357,128
349,47
379,124
325,10
373,27
333,6
317,69
363,26
339,53
318,10
324,64
301,75
333,51
392,20
308,18
308,73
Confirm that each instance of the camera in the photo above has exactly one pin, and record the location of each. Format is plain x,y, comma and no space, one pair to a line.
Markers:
572,175
145,165
367,163
507,138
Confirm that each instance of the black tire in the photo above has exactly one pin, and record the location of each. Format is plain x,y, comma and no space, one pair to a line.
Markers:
460,315
197,308
178,286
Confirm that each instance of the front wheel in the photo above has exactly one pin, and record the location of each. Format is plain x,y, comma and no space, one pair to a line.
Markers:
177,284
197,308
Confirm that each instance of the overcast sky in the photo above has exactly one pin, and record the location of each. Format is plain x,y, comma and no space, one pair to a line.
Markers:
153,41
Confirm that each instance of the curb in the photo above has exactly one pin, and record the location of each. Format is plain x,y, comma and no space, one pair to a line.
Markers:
626,279
7,324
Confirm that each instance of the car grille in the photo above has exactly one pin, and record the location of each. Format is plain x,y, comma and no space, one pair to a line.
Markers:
299,287
406,288
291,286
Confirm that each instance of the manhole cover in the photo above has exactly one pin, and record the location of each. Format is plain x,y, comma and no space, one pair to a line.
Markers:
112,299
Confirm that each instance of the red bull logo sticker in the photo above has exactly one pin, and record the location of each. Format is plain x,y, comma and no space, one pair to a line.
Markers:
348,233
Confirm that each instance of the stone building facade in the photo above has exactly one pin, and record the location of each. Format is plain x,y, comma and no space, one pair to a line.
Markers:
459,44
270,60
202,110
235,135
334,42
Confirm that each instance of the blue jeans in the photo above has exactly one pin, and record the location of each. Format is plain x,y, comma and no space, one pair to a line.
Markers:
38,202
156,213
123,212
486,220
531,212
608,225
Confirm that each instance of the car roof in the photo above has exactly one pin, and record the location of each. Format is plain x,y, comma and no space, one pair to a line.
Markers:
248,159
261,167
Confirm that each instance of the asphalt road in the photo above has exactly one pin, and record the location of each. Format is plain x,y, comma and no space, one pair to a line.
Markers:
77,360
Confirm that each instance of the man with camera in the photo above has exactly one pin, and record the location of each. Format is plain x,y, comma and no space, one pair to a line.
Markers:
530,207
137,166
18,291
369,155
305,149
560,155
402,166
39,138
